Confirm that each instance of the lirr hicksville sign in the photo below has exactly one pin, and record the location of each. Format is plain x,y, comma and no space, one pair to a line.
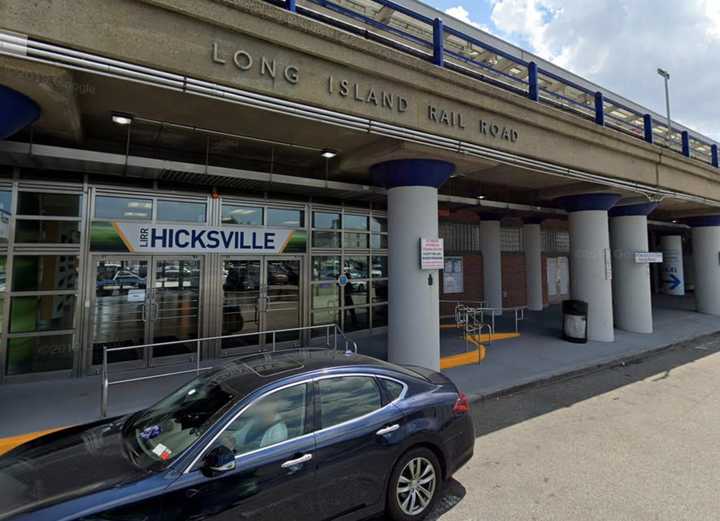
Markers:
160,238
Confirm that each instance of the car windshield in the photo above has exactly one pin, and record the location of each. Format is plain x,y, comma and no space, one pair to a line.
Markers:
162,432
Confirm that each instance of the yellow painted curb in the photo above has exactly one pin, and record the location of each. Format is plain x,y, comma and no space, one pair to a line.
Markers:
485,338
471,357
7,444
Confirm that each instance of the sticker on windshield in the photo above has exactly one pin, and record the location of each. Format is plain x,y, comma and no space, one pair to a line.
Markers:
150,432
162,451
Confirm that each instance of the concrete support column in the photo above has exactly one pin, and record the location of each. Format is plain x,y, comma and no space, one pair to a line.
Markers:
590,264
632,299
672,275
414,297
706,256
532,241
492,262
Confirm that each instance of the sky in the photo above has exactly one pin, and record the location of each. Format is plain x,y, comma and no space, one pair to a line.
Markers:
619,44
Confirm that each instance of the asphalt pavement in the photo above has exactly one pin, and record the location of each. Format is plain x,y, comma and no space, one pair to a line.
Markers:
635,442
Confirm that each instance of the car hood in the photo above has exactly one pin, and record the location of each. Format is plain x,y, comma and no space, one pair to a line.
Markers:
64,465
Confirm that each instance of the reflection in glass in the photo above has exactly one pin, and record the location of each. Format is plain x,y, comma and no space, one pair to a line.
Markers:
285,217
122,208
3,277
379,266
181,211
328,240
44,272
379,291
176,303
356,293
346,398
355,222
356,240
378,224
325,295
41,313
283,297
241,299
243,215
56,205
356,267
55,232
357,319
378,242
39,353
325,267
5,213
327,221
380,316
120,308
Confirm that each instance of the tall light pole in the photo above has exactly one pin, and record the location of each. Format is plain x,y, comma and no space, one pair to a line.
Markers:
665,74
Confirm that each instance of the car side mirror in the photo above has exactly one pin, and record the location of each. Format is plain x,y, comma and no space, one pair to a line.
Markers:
218,460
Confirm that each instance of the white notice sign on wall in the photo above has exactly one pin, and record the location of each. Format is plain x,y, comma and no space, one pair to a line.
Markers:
431,254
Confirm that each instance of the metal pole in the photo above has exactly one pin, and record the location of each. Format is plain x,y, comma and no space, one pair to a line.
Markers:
273,348
104,390
197,358
335,342
327,336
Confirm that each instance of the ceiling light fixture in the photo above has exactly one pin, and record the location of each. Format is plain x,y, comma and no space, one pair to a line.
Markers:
122,119
481,197
328,153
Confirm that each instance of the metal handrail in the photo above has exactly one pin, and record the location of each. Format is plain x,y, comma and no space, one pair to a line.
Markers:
350,347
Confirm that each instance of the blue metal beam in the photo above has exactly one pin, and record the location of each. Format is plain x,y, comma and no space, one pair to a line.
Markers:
599,108
685,143
648,124
533,89
438,42
291,6
714,158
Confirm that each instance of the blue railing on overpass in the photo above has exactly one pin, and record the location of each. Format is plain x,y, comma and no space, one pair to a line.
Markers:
503,70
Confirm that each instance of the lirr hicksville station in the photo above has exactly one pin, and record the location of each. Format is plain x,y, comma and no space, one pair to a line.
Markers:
181,170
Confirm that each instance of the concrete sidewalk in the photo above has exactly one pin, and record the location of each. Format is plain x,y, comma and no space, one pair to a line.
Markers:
538,354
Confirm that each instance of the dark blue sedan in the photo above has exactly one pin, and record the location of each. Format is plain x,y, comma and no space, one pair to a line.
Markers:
296,435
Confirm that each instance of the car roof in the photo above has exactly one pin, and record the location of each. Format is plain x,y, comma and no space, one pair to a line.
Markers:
246,374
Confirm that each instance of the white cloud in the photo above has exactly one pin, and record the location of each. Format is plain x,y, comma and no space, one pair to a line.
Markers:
619,44
463,15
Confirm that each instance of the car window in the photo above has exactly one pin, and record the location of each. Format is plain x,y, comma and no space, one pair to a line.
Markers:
393,389
347,397
275,418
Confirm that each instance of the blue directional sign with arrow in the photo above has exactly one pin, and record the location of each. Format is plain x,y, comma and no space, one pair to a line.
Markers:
673,282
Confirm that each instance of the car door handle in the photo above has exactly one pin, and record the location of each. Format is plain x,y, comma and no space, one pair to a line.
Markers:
388,430
295,462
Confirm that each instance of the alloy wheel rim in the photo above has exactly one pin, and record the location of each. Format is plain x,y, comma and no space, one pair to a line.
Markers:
416,486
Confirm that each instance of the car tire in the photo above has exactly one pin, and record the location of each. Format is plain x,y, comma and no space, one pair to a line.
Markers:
417,473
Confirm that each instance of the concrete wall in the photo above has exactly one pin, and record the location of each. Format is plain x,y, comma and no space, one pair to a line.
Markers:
514,280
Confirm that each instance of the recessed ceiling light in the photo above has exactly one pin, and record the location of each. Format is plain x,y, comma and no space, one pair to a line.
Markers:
328,153
674,221
122,119
481,197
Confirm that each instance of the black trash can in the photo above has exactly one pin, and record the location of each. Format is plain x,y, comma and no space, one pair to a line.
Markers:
574,325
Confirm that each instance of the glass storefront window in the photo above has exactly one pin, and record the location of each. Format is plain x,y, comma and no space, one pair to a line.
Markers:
356,293
356,240
325,295
45,272
329,240
286,217
5,213
39,354
325,267
55,232
356,319
56,205
181,211
242,215
379,291
324,316
41,313
379,266
356,267
378,242
355,222
378,225
123,208
326,220
380,316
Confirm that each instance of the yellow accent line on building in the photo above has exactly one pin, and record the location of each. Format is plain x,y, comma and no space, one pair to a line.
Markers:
7,444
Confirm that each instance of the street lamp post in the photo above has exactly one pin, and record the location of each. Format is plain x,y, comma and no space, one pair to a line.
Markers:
666,76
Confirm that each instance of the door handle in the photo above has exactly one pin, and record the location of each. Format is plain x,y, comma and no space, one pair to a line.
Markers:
143,312
295,462
388,430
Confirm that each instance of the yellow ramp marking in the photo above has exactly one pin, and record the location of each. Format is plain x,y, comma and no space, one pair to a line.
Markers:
471,357
7,444
485,338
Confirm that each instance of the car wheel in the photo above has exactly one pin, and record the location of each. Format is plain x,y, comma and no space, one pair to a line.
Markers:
415,485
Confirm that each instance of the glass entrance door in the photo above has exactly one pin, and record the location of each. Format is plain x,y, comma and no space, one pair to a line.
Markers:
145,300
260,294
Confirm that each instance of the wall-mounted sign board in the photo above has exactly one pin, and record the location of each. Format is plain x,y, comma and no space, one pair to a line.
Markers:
648,257
431,254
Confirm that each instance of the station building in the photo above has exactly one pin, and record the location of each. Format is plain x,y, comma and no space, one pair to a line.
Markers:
183,170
